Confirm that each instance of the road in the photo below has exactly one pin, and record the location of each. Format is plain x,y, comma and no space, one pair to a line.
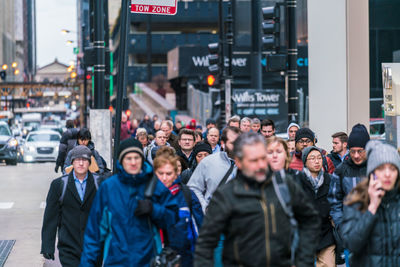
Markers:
23,193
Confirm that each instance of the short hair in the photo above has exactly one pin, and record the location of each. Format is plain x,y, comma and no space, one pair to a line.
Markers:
255,121
343,137
141,131
245,119
224,136
155,135
234,118
268,122
188,132
208,132
69,124
169,123
166,150
84,134
199,134
274,139
164,159
246,139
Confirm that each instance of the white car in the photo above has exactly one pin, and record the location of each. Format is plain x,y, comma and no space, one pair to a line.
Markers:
41,146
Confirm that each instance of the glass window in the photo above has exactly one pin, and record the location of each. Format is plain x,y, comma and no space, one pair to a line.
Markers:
4,130
43,138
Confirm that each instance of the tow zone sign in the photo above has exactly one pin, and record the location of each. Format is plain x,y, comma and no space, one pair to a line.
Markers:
157,7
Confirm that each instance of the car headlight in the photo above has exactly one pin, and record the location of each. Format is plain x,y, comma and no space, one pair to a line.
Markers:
30,148
12,142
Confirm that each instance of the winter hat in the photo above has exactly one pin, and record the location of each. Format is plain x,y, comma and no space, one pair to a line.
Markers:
307,151
290,126
304,133
358,137
129,145
380,153
202,147
81,152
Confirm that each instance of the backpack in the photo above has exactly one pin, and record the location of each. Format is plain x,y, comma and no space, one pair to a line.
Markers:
64,182
282,192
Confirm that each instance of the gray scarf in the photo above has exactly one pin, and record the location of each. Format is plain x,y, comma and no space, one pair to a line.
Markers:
315,182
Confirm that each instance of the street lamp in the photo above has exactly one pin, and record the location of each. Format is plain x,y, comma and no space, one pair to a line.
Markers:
4,67
69,42
65,31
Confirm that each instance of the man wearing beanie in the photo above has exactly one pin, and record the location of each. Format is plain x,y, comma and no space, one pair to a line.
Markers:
352,170
118,225
200,151
68,205
305,138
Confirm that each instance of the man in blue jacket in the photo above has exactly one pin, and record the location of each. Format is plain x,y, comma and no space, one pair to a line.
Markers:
118,228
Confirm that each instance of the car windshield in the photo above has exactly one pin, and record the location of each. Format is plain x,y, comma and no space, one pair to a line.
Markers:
4,130
31,123
43,138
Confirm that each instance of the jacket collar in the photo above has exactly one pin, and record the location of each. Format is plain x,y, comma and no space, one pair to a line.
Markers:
246,186
137,179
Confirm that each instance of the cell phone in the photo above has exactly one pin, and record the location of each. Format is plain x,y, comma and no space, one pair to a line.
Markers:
376,178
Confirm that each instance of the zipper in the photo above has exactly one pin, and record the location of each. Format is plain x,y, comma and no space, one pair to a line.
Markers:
263,202
236,252
273,219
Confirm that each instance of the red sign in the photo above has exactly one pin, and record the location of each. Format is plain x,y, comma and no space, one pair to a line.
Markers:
157,7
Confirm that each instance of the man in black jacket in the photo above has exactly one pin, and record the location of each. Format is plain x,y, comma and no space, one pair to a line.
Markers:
67,142
67,210
247,211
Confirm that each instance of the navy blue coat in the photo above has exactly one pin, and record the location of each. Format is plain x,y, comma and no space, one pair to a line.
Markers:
127,240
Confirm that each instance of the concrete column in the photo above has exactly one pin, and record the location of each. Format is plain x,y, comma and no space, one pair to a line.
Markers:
101,130
338,51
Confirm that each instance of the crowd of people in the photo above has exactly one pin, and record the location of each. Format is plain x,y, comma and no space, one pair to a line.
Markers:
232,196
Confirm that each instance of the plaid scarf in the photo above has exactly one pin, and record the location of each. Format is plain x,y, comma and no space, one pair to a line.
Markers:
315,182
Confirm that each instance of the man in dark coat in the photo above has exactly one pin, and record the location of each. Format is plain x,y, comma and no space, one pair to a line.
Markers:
247,211
67,210
67,142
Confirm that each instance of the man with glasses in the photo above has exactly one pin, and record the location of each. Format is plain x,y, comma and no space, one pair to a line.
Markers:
186,141
350,172
305,138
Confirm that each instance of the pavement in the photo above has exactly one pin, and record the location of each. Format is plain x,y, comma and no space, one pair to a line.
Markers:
22,201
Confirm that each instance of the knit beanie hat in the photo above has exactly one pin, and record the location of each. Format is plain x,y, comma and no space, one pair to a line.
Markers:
358,137
129,145
304,133
80,151
202,147
380,153
307,151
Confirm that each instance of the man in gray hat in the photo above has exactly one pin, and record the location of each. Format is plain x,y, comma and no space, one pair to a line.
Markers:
67,209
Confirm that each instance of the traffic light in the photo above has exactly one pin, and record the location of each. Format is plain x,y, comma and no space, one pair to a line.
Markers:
214,59
3,75
211,80
271,28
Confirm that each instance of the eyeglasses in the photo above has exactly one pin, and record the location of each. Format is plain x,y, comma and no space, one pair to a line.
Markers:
355,151
314,158
187,140
305,141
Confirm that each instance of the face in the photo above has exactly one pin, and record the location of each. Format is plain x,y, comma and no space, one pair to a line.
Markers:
254,163
276,156
161,138
179,164
255,127
198,138
213,137
143,140
201,155
234,124
291,146
387,174
358,155
292,132
166,174
228,146
267,131
337,145
83,142
132,163
314,161
245,126
157,125
81,166
186,142
178,125
303,143
165,128
211,125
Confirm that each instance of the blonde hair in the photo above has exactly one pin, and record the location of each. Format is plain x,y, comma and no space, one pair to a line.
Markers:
274,139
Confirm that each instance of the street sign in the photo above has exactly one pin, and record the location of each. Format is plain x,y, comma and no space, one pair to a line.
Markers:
156,7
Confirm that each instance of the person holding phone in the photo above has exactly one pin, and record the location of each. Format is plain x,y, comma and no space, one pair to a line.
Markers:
371,227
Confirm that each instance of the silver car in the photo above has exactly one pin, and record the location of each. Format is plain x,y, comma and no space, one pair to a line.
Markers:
41,146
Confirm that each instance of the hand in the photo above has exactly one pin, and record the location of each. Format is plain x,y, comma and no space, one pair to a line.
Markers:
144,207
375,193
56,168
49,256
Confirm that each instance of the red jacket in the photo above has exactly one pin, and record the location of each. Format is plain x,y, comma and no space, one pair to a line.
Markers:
297,162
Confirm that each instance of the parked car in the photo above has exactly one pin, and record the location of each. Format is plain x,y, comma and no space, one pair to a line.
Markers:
8,145
377,128
41,146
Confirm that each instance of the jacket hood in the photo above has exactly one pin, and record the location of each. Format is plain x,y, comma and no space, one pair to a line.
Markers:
290,125
137,179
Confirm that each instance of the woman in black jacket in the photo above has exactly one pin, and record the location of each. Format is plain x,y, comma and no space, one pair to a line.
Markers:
315,183
370,228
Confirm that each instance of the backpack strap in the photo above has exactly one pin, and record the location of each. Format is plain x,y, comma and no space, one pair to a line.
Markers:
64,182
283,194
223,181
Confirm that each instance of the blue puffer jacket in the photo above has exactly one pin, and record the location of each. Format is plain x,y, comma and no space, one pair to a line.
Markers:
183,235
343,180
127,239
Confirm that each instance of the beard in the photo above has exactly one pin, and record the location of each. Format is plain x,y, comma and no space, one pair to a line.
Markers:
260,175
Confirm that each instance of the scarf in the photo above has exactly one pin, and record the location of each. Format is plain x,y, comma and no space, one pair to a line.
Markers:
315,182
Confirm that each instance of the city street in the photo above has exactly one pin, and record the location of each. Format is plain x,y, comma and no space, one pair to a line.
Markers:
23,193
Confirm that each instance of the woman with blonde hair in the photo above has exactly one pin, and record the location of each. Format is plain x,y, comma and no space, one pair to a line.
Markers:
370,228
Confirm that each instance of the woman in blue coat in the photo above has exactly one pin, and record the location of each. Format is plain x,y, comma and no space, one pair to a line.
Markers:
118,227
183,235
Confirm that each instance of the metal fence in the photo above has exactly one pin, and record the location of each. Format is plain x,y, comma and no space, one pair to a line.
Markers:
199,104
